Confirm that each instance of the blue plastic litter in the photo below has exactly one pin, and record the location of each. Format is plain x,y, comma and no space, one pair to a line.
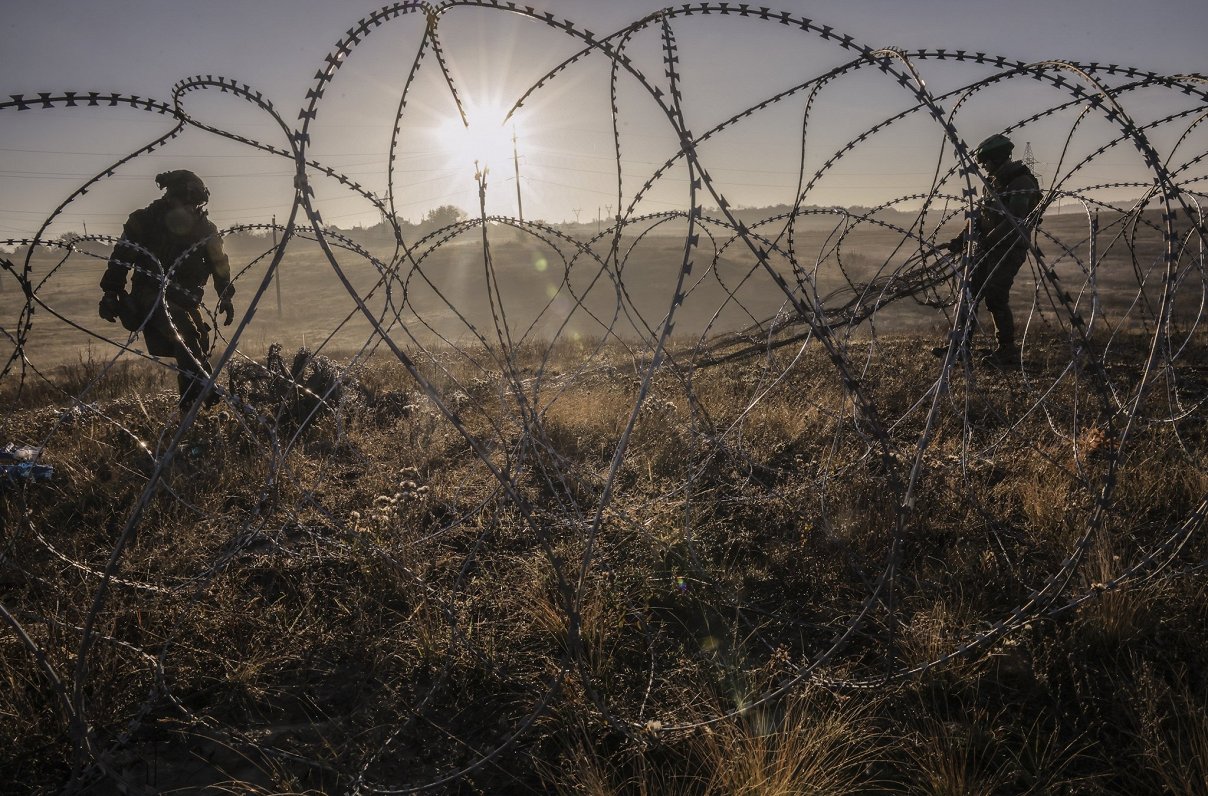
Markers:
20,464
26,471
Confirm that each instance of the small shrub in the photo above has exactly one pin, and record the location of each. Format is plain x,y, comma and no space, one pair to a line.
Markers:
295,395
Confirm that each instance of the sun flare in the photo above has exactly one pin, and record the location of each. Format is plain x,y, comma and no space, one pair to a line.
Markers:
484,141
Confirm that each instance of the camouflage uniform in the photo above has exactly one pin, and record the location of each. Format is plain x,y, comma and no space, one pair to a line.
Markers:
1001,248
184,243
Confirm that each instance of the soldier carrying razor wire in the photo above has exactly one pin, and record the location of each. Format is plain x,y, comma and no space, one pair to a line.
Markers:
174,249
1004,222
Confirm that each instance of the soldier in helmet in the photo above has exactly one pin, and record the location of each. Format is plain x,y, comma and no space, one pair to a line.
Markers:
174,249
1004,224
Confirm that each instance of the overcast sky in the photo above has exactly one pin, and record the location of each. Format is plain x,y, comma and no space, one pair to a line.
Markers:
564,134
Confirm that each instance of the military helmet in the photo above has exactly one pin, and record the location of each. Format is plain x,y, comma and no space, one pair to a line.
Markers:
184,185
995,144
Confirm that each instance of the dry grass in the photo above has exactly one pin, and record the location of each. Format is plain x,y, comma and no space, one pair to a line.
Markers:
806,744
1174,736
361,595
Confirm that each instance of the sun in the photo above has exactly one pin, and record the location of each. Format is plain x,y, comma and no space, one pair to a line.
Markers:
485,141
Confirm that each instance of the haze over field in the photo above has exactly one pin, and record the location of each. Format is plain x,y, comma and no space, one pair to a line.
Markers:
544,296
791,115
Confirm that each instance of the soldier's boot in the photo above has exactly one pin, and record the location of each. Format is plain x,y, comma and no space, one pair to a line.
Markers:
190,386
189,390
1007,352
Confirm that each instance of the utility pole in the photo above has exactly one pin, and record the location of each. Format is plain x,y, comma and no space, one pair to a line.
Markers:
277,276
516,163
1029,160
577,209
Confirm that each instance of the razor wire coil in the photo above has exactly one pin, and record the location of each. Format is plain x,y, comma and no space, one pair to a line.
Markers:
504,421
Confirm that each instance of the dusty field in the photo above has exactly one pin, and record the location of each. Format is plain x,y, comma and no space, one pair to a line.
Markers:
443,295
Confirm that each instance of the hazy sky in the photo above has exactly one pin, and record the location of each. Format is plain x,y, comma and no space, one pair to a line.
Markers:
564,134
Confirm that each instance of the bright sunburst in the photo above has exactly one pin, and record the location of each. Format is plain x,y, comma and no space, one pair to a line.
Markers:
486,140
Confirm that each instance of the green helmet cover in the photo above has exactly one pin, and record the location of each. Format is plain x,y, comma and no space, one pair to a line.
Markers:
995,143
185,185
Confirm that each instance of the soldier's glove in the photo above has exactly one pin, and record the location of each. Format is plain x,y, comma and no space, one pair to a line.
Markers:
110,307
226,308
